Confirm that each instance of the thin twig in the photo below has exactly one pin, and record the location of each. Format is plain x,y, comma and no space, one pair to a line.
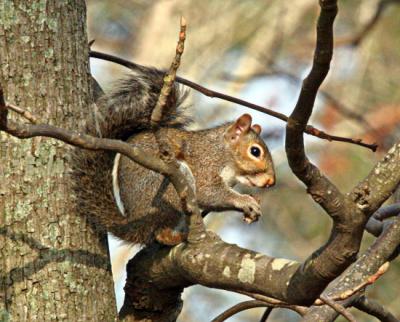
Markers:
26,131
239,308
26,114
371,280
356,39
266,314
338,106
214,94
338,308
180,182
170,77
274,302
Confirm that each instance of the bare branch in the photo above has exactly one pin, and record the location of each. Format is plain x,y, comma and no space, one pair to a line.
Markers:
25,114
177,177
266,314
338,308
357,38
387,211
350,292
379,185
239,308
363,269
26,131
375,309
328,262
170,77
297,122
337,105
275,302
214,94
375,226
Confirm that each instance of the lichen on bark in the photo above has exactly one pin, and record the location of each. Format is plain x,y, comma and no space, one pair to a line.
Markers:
53,265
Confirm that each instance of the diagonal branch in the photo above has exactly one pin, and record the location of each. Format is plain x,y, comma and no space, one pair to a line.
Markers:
367,267
214,94
26,131
266,314
375,309
240,307
274,70
357,38
338,308
358,288
380,183
375,224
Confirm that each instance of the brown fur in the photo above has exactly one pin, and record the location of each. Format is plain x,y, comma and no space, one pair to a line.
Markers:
152,209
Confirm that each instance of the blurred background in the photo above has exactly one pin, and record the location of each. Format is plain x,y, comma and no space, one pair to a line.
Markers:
259,51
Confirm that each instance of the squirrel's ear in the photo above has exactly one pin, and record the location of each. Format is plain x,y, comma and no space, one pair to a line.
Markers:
256,128
242,125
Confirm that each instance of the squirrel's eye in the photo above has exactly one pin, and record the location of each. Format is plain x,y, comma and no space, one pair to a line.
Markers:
255,151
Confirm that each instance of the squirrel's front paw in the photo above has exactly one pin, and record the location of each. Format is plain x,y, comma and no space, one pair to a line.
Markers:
251,209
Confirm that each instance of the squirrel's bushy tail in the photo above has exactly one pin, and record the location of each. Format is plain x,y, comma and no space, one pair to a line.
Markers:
118,115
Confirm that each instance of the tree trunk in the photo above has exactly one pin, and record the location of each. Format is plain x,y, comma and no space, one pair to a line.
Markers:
53,265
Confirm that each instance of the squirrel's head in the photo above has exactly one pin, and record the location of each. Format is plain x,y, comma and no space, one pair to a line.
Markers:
252,162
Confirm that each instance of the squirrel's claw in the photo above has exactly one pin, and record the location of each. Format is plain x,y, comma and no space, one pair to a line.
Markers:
251,210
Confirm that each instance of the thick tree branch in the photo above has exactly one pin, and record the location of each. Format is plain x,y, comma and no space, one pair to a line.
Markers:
359,272
364,271
379,185
212,263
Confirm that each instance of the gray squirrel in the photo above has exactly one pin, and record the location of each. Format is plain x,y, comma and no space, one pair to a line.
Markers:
218,158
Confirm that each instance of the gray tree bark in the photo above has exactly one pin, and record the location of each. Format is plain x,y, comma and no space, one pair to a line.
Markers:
53,265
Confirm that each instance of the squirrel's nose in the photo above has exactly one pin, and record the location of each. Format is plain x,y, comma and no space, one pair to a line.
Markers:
270,181
263,180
